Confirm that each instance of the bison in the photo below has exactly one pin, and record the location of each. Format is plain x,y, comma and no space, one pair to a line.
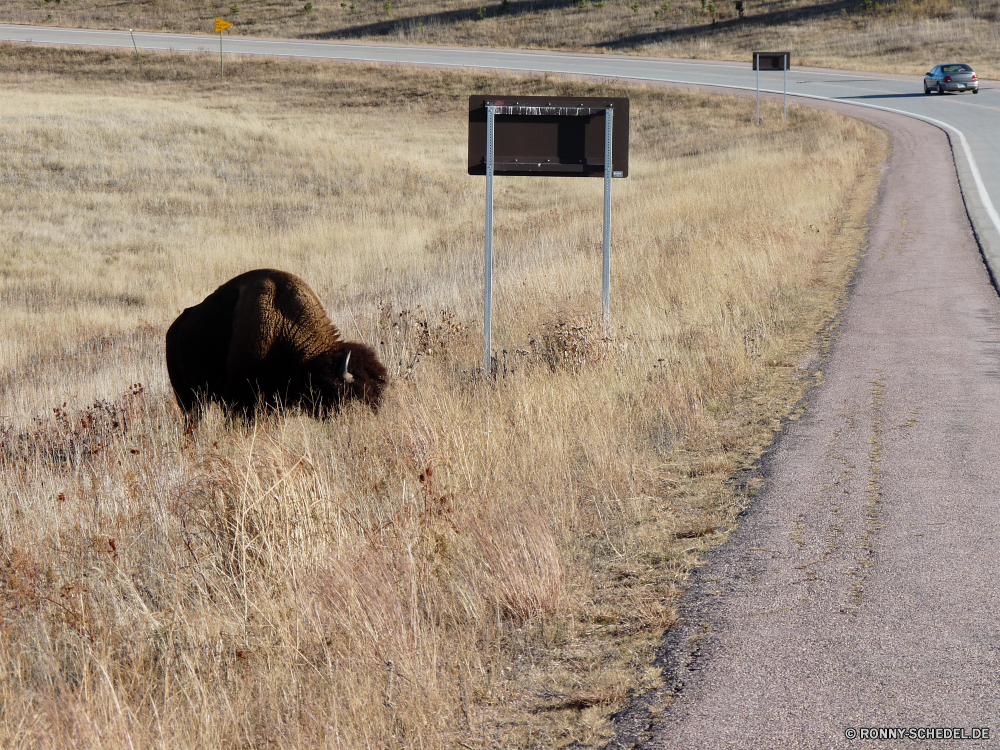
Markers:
262,339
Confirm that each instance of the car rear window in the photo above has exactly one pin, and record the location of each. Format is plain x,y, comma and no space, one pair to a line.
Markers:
955,68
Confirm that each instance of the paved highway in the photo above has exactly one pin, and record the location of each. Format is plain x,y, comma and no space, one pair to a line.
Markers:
972,122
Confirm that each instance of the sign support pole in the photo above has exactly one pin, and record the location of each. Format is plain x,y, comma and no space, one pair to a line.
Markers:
136,51
488,286
540,136
609,114
220,26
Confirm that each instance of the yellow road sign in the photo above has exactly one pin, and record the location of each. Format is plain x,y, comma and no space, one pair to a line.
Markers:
221,25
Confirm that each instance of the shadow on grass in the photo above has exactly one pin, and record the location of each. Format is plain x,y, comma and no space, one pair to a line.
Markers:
391,27
515,8
776,18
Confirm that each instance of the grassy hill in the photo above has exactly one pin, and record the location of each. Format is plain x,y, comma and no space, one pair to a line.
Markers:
902,36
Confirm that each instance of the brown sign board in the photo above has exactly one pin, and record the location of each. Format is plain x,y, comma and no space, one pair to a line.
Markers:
552,136
772,60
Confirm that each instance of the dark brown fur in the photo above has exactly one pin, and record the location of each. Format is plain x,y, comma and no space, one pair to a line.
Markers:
263,339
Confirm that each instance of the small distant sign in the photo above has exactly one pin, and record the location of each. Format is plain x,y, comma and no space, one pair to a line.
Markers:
772,60
221,25
554,136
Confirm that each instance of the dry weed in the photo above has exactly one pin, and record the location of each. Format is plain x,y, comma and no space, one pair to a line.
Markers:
485,561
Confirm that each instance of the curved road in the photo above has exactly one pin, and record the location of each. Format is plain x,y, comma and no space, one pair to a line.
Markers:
860,590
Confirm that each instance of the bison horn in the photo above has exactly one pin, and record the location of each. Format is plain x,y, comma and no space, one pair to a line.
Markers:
344,374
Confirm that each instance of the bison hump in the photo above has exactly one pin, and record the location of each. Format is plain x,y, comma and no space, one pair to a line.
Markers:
278,313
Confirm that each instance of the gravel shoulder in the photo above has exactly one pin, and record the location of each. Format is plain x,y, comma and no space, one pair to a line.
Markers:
860,588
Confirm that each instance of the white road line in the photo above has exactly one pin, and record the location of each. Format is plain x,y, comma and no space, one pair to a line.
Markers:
980,187
973,168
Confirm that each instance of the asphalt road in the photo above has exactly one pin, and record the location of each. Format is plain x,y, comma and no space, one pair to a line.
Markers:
970,121
860,590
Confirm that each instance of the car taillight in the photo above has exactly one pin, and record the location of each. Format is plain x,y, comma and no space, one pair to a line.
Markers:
947,79
975,77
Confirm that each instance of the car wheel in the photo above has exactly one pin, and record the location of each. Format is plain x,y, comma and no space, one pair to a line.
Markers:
975,91
926,90
940,89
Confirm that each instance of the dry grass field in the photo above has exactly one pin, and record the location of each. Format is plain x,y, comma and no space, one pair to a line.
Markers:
484,562
899,36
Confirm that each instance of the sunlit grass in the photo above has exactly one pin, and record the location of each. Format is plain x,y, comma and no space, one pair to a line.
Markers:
893,36
484,561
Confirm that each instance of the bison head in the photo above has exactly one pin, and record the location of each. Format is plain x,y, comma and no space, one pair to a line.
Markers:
351,371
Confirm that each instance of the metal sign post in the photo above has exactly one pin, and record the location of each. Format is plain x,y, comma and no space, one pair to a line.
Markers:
546,136
609,115
773,61
136,46
756,66
220,26
488,295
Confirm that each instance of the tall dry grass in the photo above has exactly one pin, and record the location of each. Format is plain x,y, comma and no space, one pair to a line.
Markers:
906,36
895,36
484,562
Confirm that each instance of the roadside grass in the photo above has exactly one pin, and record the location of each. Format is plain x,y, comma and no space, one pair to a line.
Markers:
893,36
905,37
482,563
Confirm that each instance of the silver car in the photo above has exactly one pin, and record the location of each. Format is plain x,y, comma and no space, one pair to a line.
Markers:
951,77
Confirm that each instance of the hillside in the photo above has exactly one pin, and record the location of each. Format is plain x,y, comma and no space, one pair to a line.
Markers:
901,36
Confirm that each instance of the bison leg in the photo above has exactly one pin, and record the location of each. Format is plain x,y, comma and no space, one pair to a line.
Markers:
241,402
191,404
